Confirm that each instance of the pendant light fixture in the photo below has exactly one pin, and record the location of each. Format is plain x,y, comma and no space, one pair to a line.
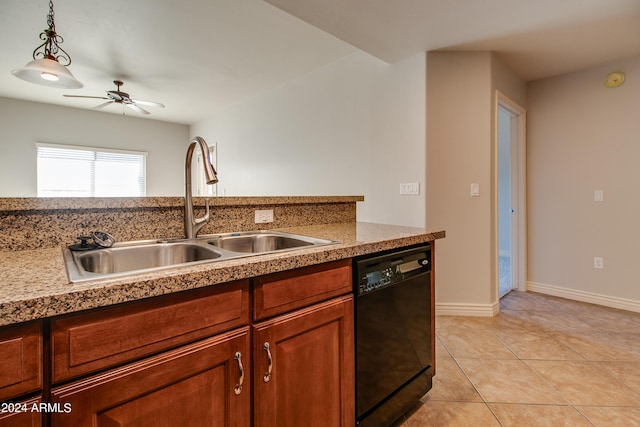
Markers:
50,61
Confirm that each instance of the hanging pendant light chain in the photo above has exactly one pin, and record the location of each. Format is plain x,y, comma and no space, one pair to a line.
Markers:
50,47
50,22
50,61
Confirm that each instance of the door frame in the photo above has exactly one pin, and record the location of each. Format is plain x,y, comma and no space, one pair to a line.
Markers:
518,194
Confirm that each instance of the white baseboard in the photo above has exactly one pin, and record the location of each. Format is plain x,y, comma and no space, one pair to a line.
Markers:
599,299
478,310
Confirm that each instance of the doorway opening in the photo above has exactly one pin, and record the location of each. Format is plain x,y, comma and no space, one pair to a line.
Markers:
511,208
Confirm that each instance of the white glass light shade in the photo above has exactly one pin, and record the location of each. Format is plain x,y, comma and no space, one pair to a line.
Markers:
43,72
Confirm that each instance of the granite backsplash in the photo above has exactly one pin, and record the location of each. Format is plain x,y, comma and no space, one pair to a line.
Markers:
39,223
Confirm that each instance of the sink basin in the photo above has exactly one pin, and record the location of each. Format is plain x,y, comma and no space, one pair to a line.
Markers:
125,258
141,257
260,242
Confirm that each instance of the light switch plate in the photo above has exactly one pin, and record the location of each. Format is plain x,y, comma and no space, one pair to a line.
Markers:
412,188
475,190
598,196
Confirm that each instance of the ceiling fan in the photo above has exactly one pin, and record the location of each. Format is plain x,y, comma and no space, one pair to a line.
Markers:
119,97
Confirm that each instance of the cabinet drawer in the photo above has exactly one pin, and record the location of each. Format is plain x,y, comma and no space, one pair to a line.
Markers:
20,360
21,414
97,340
282,292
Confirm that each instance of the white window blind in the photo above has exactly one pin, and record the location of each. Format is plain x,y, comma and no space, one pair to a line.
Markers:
74,171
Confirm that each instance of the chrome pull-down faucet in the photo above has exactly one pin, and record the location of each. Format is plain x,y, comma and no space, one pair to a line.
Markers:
193,225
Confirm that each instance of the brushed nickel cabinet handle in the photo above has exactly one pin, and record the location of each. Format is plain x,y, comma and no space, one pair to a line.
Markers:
267,377
238,389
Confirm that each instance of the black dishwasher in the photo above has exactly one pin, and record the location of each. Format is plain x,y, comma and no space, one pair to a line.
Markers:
394,338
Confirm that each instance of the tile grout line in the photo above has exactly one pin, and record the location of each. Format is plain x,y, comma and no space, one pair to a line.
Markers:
542,321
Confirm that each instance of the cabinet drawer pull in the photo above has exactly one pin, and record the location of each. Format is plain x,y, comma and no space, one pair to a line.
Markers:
238,389
267,376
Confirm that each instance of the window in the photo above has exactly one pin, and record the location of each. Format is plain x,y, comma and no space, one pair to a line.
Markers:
74,171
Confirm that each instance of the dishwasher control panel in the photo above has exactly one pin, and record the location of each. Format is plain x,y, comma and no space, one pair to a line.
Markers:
376,280
385,270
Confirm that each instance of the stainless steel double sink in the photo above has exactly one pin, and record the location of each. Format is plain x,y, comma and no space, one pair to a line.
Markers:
125,258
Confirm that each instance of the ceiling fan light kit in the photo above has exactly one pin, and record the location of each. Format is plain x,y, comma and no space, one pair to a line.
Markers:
50,61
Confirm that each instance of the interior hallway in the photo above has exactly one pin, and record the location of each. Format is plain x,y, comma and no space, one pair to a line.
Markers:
543,361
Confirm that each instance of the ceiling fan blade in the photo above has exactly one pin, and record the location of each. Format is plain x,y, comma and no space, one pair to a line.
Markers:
119,97
148,103
138,109
83,96
104,104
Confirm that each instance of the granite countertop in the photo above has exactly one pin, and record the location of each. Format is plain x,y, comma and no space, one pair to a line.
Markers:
66,203
34,283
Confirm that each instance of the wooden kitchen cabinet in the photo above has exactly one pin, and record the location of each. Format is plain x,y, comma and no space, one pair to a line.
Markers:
304,367
279,293
20,360
197,385
21,414
195,358
94,341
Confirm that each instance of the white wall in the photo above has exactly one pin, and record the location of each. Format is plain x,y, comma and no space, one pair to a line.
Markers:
459,153
24,123
581,137
461,150
356,126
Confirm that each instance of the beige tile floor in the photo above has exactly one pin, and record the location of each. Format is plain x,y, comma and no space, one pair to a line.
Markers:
543,361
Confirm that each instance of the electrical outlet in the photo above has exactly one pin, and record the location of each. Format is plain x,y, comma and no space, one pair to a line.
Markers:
264,216
598,262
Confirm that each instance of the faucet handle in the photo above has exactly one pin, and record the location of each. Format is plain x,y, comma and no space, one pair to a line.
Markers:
198,223
206,213
206,210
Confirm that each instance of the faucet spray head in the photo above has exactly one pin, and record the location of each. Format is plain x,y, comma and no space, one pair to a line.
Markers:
209,171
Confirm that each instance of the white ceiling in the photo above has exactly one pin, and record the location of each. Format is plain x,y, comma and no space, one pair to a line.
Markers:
201,56
535,38
195,56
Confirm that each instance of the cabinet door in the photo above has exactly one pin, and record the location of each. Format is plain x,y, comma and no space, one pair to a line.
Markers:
20,360
199,385
306,375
